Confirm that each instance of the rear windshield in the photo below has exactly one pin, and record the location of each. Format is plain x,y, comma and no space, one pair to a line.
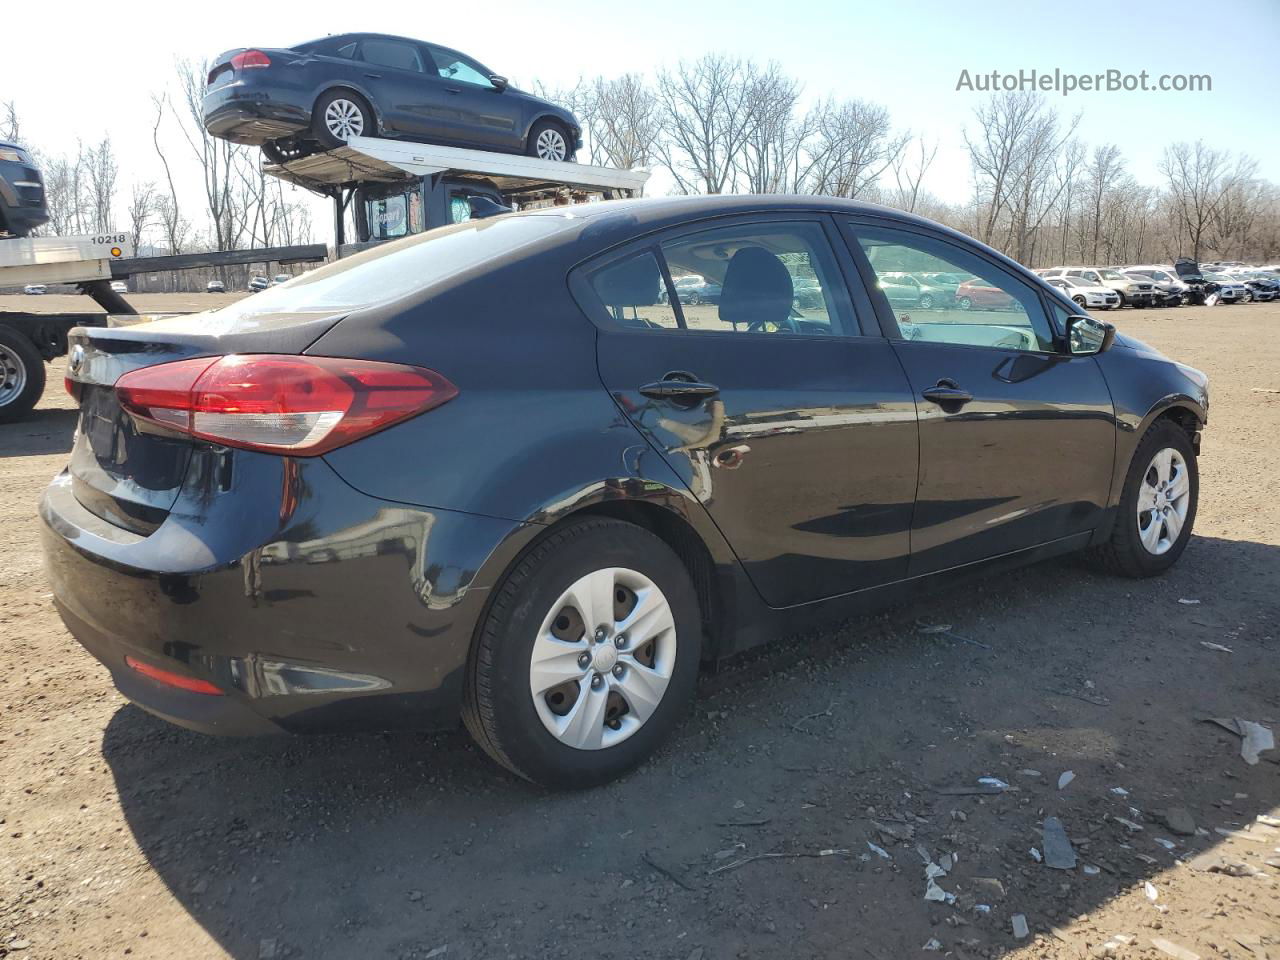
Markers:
395,270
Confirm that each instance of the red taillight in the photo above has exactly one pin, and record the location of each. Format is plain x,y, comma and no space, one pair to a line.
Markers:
302,406
171,679
248,59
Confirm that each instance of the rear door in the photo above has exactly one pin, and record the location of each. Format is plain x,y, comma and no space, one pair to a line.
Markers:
1017,437
792,423
395,72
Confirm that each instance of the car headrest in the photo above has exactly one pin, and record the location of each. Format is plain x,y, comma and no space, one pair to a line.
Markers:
757,289
632,283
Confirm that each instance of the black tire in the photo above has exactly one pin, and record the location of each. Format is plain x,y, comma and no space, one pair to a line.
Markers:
20,361
274,151
531,147
1078,301
321,132
1123,553
964,303
498,708
926,302
1122,300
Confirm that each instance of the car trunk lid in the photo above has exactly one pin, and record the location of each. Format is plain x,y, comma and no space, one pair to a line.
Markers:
120,471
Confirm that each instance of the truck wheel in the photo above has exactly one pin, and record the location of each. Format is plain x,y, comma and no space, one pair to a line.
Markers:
21,375
548,141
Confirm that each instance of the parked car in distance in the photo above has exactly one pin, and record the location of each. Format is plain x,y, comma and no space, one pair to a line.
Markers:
258,284
1165,279
906,289
693,289
280,278
319,94
1086,295
22,198
1229,289
484,472
1132,292
1260,287
35,289
215,286
979,294
807,293
119,286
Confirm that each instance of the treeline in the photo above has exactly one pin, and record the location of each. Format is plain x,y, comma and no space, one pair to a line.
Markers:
721,124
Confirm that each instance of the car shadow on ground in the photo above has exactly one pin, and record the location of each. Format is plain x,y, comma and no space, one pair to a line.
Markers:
398,844
40,433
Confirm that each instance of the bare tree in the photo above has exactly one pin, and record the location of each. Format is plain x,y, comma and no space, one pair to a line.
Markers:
706,120
10,128
851,148
623,121
175,228
142,208
101,171
771,159
1195,173
1101,177
909,168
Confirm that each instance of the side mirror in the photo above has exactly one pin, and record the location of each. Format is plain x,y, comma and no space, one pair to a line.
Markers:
1087,336
499,83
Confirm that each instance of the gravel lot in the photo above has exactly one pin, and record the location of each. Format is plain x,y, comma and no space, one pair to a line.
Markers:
124,836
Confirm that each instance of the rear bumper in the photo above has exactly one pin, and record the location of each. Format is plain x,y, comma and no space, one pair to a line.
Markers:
315,609
241,114
22,197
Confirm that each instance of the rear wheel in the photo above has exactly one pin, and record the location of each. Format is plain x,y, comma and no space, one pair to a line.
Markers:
549,141
22,375
964,303
282,151
926,301
340,115
1078,301
587,657
1158,506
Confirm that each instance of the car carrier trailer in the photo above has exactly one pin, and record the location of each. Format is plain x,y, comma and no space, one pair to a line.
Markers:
91,263
395,188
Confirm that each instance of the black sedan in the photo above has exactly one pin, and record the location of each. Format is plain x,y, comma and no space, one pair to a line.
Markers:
22,199
484,471
320,94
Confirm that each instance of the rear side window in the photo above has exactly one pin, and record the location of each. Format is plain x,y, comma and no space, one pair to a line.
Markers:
390,53
759,278
634,293
347,51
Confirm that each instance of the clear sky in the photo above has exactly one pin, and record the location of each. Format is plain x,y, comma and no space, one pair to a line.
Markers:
92,71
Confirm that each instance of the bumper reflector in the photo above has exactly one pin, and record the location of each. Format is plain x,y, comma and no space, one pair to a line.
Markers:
171,679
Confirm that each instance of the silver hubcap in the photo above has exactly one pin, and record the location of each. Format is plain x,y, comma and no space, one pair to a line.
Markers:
602,659
13,375
551,145
1163,501
344,119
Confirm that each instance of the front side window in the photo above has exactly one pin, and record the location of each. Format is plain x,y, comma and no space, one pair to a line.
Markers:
967,300
453,66
389,53
761,278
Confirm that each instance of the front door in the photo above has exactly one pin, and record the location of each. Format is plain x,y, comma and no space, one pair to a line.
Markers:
1017,437
474,110
794,430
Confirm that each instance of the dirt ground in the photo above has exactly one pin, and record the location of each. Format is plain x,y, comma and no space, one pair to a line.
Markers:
142,302
123,836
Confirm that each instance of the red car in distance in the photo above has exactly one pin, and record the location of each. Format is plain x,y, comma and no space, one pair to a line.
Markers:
978,294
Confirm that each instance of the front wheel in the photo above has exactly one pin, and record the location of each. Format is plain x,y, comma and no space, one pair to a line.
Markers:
1079,302
588,655
926,302
21,375
1157,507
548,141
964,303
